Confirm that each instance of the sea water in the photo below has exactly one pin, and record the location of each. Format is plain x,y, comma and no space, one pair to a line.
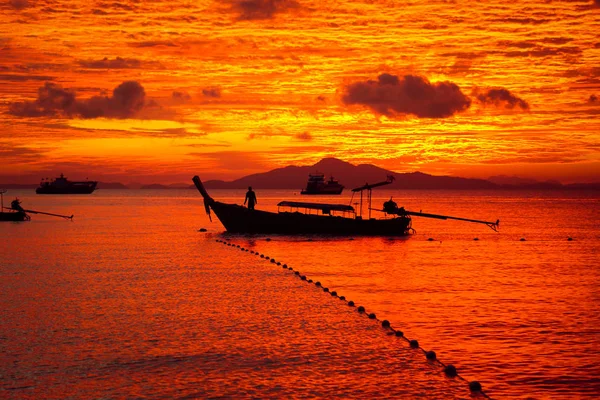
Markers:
131,300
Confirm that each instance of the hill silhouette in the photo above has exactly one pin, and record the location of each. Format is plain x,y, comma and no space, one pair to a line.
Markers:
349,175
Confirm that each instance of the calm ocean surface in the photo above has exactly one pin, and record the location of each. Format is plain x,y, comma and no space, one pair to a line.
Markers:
130,300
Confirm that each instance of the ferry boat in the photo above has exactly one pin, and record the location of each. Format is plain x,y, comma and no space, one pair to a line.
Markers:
331,219
316,185
62,185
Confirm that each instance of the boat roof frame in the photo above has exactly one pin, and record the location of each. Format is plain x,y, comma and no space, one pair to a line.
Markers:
325,208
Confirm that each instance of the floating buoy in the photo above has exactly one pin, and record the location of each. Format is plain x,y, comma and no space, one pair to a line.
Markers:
297,272
326,289
385,323
318,283
430,240
262,256
334,293
217,240
569,238
351,303
284,265
278,263
267,258
476,239
414,344
475,386
342,297
273,261
399,333
372,316
361,309
303,277
431,355
310,281
450,371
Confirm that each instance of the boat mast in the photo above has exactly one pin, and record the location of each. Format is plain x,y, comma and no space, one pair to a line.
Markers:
369,188
2,191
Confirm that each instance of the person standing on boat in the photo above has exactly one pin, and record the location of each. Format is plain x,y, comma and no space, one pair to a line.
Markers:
250,198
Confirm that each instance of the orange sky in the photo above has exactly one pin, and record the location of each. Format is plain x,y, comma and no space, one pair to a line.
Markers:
160,91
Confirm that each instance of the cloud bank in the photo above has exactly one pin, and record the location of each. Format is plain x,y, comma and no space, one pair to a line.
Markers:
500,97
55,101
249,10
392,96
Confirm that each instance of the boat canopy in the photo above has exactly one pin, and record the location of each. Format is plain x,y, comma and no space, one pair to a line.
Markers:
325,208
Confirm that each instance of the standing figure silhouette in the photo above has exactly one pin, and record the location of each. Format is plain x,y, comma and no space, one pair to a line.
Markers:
250,198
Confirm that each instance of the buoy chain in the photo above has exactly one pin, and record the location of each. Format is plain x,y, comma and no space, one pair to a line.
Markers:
449,369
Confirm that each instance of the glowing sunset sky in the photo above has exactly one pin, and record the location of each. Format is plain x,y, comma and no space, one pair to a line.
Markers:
159,91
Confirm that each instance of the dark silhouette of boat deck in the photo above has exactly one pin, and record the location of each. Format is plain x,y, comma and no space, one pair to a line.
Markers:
62,185
316,185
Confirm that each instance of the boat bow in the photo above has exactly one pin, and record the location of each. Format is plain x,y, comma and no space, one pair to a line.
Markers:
208,201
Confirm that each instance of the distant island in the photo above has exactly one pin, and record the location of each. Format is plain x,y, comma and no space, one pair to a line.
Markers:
351,176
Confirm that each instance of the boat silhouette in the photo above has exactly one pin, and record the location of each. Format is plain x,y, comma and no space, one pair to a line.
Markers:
335,219
62,185
316,185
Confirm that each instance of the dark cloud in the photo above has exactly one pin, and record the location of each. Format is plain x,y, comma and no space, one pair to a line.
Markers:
181,96
303,136
248,10
391,95
53,100
211,92
501,97
18,4
117,63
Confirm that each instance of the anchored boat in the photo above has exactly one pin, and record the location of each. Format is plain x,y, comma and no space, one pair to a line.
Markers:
62,185
316,185
13,214
335,219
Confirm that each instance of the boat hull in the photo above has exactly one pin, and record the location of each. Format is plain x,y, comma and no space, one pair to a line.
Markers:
74,189
323,191
14,216
238,219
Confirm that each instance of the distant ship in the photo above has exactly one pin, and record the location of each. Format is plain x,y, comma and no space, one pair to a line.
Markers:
317,185
62,185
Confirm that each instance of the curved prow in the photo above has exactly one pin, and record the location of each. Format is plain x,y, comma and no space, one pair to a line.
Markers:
208,201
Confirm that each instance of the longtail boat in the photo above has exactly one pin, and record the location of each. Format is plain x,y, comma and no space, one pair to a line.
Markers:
333,219
14,215
17,213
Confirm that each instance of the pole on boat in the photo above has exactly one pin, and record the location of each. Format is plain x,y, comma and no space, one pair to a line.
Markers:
492,225
369,188
44,213
2,191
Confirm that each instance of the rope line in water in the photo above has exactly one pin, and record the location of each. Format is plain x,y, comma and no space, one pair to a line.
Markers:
449,369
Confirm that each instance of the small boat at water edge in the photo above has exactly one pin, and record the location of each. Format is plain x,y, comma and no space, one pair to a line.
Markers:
396,222
13,214
16,213
62,185
316,185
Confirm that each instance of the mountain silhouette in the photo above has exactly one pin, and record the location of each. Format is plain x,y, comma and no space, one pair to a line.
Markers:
349,175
